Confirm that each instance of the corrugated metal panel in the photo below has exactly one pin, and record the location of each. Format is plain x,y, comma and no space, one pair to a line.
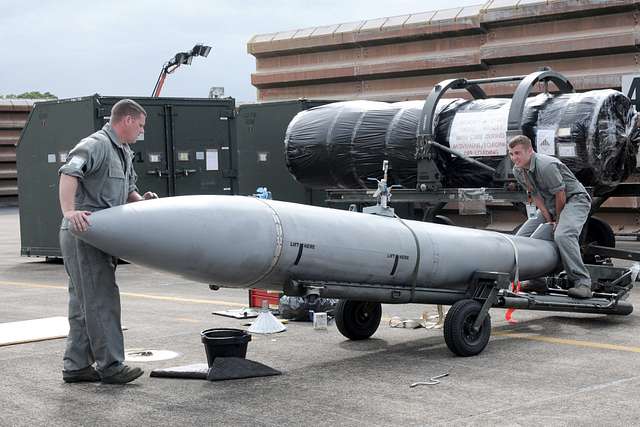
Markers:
12,120
578,37
329,29
305,32
8,188
420,25
374,24
284,35
591,41
505,13
395,21
447,14
9,136
13,117
462,53
586,73
8,171
8,154
420,19
260,38
17,104
347,27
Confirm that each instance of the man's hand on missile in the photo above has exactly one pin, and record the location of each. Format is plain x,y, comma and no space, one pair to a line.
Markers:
134,196
78,219
149,195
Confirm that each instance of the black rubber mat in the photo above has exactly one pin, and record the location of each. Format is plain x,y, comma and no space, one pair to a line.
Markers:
196,371
233,368
224,368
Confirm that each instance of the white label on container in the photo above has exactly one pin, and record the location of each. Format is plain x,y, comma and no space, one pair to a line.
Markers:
51,158
140,137
479,134
212,159
546,141
566,150
562,132
199,155
62,156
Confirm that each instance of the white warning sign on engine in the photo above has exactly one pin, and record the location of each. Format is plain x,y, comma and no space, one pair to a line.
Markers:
545,141
480,134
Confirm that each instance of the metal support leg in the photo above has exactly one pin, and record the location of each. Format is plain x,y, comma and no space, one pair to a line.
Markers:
488,303
485,286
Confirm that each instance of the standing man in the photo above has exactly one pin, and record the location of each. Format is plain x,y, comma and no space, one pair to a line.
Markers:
560,199
98,175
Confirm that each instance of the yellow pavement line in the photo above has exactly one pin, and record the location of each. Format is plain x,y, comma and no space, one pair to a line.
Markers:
564,341
32,285
134,295
550,340
186,319
178,299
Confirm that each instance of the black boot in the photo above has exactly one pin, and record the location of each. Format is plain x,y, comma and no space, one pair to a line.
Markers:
581,291
126,375
86,375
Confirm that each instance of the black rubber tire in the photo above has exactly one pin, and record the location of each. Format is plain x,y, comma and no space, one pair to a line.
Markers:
598,232
457,328
358,320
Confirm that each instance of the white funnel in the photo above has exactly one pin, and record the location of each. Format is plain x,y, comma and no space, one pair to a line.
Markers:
266,323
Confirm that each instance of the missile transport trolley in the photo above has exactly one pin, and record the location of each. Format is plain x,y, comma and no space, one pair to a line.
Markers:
373,257
467,326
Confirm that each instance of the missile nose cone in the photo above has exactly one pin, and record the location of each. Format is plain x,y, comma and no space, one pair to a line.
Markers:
225,240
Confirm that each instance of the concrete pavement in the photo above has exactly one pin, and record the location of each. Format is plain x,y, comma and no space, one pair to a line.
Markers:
548,369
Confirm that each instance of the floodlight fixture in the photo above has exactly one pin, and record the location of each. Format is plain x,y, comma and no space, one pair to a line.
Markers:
180,58
201,50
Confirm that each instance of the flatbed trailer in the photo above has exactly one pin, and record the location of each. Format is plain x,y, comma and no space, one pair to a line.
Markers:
467,326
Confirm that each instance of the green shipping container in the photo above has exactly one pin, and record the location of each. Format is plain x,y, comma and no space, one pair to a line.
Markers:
261,131
187,148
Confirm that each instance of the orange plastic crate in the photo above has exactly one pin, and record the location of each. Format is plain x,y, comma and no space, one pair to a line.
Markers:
256,296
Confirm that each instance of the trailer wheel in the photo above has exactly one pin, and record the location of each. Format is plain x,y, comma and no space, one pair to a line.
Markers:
597,232
358,320
458,333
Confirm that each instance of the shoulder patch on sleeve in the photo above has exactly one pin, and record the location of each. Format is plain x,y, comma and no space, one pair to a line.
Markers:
77,162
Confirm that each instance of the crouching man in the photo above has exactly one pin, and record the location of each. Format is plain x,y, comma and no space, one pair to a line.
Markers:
557,197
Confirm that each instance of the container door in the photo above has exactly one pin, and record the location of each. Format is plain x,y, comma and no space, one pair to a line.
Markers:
201,136
152,150
153,153
261,160
261,130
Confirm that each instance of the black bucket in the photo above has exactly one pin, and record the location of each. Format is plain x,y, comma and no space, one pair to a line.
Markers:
225,342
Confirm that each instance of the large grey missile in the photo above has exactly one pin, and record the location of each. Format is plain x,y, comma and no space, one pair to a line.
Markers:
245,242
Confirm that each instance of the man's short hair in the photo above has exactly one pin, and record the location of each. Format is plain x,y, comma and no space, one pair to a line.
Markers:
126,107
522,140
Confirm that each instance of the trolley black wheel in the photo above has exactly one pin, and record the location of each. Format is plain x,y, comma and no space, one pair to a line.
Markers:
358,320
458,328
598,232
